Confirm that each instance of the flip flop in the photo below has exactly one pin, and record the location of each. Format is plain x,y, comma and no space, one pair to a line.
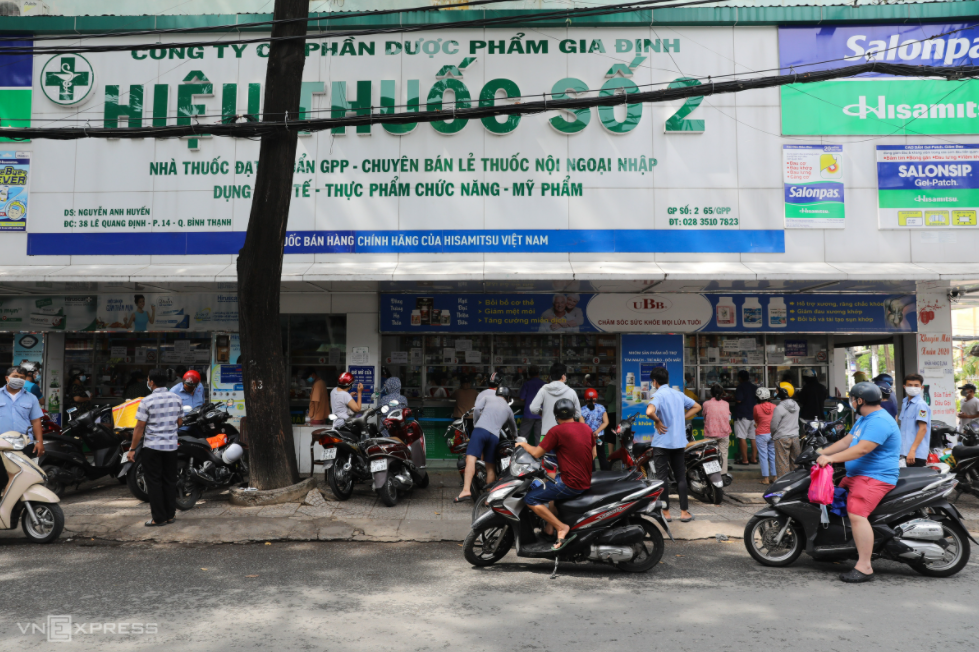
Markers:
561,544
687,520
463,499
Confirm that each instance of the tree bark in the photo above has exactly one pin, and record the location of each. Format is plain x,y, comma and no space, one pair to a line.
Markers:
272,456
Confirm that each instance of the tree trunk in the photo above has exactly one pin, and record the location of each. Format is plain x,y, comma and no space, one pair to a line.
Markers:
272,456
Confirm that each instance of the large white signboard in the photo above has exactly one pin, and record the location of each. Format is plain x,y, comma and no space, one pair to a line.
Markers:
636,177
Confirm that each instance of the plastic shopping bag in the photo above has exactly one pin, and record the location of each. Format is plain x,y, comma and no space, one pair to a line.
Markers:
821,485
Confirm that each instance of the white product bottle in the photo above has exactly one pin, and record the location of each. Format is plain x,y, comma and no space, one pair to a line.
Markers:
630,384
778,316
751,313
726,313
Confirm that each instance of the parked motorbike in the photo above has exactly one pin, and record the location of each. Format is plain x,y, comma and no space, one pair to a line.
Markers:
914,523
355,453
606,521
962,457
67,462
457,439
701,459
26,499
821,433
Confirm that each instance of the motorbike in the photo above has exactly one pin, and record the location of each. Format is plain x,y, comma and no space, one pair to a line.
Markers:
701,459
606,521
356,453
26,499
457,439
914,523
962,458
65,460
823,433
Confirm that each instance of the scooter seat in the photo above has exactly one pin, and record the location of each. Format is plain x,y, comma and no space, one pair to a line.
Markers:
909,481
965,452
604,477
598,495
640,448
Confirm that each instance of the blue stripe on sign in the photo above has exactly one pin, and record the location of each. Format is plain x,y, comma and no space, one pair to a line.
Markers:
17,71
304,242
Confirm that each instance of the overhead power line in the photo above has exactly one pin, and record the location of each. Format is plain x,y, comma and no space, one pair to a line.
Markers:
568,14
260,129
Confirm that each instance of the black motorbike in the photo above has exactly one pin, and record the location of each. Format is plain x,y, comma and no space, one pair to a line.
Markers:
963,458
607,523
86,449
914,523
345,460
820,433
457,439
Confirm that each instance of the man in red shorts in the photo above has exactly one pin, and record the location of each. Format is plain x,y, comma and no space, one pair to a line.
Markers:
871,452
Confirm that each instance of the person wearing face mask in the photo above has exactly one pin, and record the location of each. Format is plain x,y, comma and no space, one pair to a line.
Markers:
871,453
20,410
915,422
595,416
77,396
190,390
319,399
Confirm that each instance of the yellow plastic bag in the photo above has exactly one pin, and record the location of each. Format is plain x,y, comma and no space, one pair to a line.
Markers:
124,414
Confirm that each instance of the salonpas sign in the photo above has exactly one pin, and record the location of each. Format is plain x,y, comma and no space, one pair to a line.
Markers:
628,178
876,104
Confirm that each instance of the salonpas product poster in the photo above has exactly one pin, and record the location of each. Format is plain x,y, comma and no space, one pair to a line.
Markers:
165,312
47,313
875,104
14,182
813,178
927,186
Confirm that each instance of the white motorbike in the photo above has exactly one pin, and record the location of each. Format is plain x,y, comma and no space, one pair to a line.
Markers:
25,498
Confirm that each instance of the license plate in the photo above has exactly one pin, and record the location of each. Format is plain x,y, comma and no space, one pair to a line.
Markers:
330,454
712,467
505,463
379,465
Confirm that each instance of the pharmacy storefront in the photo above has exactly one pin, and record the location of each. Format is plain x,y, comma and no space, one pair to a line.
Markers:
766,230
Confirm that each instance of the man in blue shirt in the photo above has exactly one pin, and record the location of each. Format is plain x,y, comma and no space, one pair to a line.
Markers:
20,410
670,410
871,452
915,422
190,391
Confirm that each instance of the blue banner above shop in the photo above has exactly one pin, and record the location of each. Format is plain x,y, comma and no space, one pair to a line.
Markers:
647,313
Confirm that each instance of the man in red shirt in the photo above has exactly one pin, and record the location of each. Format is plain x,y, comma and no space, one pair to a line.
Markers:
574,445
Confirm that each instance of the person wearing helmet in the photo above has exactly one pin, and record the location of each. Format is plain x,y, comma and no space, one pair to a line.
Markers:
550,394
594,415
785,430
190,390
812,397
670,410
32,371
871,452
574,445
763,411
342,403
887,391
915,422
491,414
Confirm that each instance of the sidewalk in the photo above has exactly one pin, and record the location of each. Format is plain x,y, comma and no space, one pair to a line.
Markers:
107,511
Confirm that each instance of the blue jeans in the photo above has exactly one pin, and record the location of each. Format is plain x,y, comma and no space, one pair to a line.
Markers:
542,492
766,454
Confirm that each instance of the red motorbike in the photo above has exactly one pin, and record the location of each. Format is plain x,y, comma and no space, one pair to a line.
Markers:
397,461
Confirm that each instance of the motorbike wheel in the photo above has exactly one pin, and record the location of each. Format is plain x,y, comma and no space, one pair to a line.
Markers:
957,552
713,495
388,493
340,481
759,539
188,491
137,482
479,507
488,545
51,521
649,551
423,483
54,482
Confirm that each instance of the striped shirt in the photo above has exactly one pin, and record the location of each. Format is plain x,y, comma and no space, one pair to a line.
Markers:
160,410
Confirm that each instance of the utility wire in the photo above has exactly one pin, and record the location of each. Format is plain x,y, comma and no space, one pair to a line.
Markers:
567,14
260,129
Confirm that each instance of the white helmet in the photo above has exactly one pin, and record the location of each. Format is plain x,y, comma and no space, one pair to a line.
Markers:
763,394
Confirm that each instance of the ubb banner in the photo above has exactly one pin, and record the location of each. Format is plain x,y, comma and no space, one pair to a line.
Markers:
640,355
48,313
931,186
15,181
193,196
813,178
166,312
645,313
877,104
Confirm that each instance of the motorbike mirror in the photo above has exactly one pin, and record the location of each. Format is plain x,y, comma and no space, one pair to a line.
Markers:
840,407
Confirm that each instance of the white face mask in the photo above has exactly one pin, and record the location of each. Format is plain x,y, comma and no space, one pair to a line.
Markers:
912,391
15,384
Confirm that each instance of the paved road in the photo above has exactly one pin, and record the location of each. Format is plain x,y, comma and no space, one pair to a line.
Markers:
705,596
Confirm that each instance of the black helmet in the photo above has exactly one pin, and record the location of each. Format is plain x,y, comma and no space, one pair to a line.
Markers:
869,392
504,392
495,379
564,409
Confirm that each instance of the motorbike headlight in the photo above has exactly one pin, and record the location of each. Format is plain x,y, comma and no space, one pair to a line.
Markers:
16,442
774,497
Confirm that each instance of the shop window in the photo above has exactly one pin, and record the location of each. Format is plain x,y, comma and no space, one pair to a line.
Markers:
312,342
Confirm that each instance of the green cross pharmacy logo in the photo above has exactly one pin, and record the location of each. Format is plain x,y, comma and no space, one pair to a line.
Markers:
67,79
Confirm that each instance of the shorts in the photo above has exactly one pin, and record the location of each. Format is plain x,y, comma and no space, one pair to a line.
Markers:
483,443
864,494
744,428
542,492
